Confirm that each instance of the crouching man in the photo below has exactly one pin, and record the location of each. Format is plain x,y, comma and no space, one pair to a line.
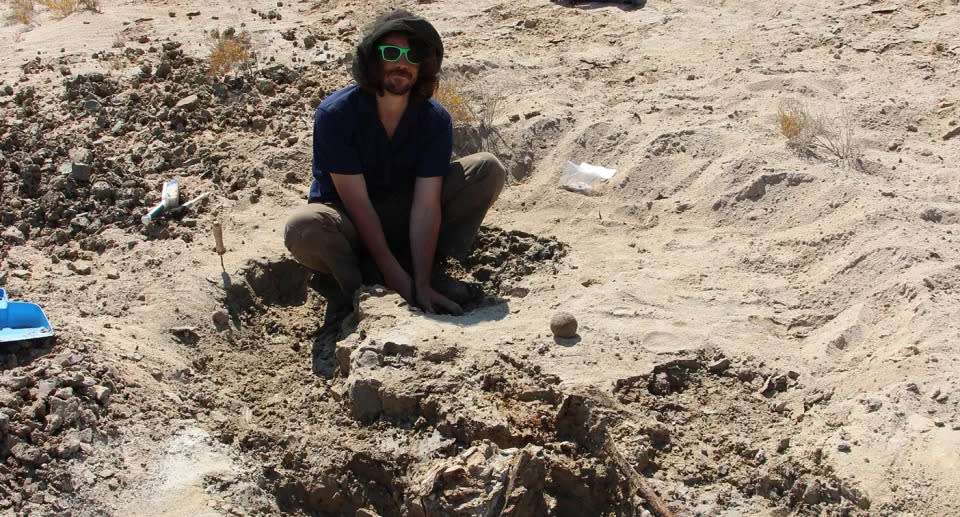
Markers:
385,199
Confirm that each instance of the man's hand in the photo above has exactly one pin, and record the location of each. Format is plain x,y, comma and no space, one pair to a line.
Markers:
430,301
401,282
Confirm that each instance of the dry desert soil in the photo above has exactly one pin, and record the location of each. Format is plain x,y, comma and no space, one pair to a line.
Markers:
766,326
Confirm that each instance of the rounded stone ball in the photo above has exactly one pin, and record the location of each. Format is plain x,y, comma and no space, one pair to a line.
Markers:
563,324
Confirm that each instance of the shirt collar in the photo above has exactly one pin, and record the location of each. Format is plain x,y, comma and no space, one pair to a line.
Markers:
367,102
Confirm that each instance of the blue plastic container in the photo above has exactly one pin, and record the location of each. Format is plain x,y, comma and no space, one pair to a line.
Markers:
22,320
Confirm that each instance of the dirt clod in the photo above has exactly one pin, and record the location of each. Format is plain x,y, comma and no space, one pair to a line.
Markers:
563,325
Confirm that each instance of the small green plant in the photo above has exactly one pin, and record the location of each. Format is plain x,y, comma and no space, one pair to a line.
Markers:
808,132
230,51
22,11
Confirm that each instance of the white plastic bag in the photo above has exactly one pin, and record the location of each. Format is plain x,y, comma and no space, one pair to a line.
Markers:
584,177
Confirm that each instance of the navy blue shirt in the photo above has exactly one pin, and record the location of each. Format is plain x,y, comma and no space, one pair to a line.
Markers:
348,138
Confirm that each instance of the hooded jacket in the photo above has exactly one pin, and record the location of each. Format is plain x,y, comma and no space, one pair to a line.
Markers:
415,26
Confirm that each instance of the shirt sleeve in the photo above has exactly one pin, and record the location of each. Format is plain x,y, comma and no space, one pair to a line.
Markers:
333,147
435,159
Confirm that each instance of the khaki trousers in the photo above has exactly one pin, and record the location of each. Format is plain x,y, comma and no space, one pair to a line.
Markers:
321,236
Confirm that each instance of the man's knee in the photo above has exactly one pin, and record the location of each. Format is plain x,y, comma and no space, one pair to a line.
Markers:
490,172
308,227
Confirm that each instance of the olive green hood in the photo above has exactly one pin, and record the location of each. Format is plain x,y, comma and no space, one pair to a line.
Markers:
415,26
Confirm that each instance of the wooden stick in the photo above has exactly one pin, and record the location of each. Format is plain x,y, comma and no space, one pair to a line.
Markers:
636,480
218,236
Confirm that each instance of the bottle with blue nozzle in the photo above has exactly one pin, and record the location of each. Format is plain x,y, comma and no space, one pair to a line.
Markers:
169,198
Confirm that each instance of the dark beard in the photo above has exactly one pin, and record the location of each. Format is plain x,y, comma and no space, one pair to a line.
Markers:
395,88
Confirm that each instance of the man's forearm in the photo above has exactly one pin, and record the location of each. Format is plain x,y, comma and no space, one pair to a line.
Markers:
368,225
353,193
424,229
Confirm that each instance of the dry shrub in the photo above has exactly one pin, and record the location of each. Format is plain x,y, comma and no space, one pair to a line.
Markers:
65,7
491,103
808,132
22,11
837,137
449,96
470,101
230,51
794,120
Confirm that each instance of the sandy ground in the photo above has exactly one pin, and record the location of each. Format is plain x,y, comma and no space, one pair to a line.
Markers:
829,286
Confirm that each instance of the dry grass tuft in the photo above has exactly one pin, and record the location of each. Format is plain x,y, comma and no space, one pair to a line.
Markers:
470,102
66,7
808,132
491,103
794,120
22,11
230,51
449,96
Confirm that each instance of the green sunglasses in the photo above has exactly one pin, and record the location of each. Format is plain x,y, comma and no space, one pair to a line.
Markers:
392,53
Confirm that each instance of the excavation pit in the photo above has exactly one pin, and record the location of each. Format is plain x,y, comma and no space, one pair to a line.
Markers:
392,419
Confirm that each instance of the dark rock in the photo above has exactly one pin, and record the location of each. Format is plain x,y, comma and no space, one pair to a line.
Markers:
266,86
813,493
80,171
660,385
221,319
855,495
163,70
25,453
92,106
82,269
185,335
280,74
746,374
774,384
783,444
103,191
